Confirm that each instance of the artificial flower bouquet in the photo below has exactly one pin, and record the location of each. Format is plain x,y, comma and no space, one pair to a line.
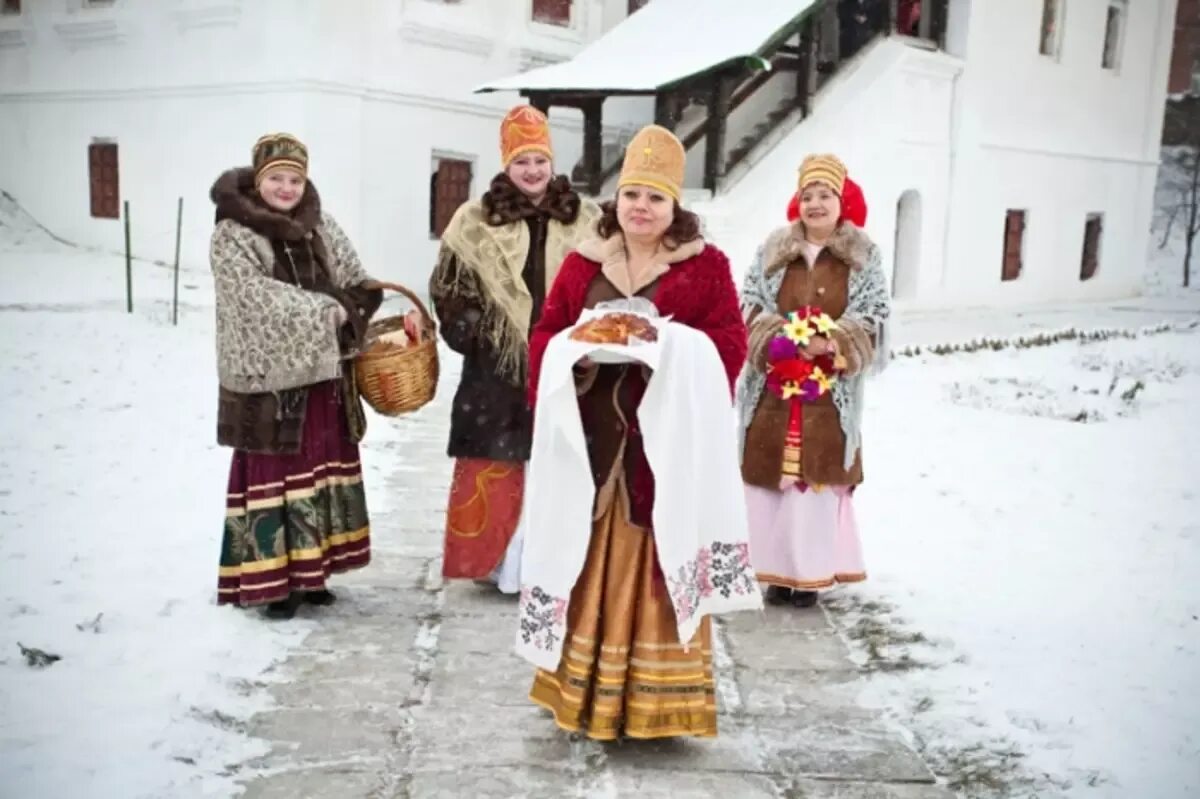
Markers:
791,374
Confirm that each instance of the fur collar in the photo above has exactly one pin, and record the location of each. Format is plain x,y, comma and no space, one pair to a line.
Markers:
504,203
849,243
614,262
236,198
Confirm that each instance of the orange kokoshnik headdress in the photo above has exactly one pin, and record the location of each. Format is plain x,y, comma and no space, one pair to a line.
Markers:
524,130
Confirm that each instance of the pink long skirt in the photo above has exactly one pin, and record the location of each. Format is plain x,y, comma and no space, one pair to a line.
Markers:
804,539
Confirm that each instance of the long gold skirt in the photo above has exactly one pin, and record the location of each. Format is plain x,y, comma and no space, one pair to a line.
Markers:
623,670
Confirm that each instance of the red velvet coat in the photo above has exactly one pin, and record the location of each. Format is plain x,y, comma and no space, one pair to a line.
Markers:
698,292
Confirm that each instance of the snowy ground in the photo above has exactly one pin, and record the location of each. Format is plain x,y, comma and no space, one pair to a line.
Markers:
1032,527
1030,523
109,486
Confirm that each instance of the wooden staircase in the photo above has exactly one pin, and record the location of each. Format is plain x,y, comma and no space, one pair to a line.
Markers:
760,132
795,51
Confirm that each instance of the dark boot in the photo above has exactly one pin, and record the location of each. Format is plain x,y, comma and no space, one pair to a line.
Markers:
284,609
804,599
778,595
322,597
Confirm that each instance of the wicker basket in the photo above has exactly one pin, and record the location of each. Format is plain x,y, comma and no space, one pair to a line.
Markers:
396,381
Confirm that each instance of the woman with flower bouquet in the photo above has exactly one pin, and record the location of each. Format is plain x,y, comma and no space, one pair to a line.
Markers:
816,301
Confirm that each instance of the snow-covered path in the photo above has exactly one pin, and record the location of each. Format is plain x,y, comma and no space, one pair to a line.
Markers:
1029,532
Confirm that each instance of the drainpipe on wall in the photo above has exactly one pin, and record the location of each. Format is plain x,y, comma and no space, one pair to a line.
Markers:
955,115
962,8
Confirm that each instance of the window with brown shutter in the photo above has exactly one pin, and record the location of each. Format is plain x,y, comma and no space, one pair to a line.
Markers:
1014,242
1114,34
1052,19
1091,246
552,12
449,187
104,179
11,7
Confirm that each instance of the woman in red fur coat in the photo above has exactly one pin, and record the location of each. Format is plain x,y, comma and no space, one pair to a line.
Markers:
620,619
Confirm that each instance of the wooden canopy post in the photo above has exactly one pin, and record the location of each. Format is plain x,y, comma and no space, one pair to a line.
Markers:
539,100
806,73
720,91
665,113
593,144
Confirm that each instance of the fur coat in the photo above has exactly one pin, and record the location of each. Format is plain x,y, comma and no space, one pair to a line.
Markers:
847,283
278,278
694,286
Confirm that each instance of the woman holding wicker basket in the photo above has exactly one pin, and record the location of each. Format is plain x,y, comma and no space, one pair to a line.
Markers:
292,304
498,259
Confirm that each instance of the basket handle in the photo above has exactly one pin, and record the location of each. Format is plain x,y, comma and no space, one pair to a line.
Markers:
411,297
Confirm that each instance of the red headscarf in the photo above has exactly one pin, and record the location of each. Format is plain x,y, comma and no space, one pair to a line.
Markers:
854,205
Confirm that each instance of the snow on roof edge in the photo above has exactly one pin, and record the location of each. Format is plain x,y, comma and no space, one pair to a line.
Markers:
571,76
753,61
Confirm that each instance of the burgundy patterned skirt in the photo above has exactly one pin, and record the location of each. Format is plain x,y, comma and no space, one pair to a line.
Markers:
293,520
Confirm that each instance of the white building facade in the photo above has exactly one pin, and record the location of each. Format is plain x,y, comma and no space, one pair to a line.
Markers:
380,91
1017,165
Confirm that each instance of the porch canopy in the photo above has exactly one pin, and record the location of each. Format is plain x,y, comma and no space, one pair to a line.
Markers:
665,44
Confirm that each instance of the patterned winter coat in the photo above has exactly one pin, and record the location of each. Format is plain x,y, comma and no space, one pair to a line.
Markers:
847,283
277,279
498,258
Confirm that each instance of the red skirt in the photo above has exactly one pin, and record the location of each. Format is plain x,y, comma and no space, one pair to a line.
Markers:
482,515
293,520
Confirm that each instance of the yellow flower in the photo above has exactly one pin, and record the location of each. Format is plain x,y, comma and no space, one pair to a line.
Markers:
790,389
798,331
824,324
823,380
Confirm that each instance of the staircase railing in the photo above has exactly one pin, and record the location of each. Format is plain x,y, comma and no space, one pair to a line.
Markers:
816,51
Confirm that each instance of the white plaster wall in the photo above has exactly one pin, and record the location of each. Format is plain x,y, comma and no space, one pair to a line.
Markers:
168,147
392,231
1002,128
186,86
886,117
1057,194
1060,137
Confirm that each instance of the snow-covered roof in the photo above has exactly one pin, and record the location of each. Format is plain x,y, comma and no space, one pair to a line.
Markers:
664,43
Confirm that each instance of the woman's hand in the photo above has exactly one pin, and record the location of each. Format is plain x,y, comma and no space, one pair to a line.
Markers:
372,284
337,315
818,346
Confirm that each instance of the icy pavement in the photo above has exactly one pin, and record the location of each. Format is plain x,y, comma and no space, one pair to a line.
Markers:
408,688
